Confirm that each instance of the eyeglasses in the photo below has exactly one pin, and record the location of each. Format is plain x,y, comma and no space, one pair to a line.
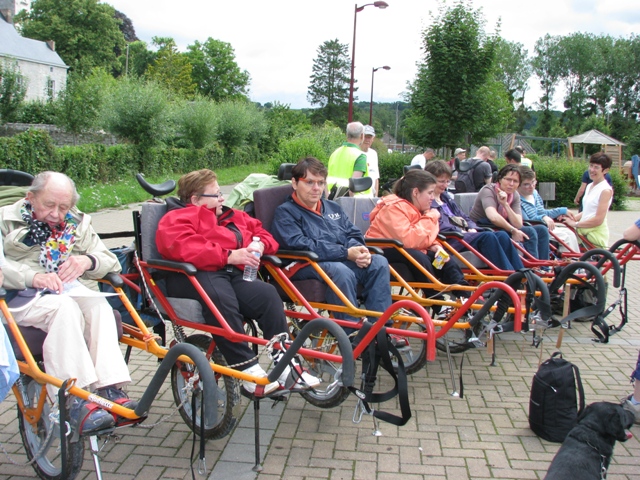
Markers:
443,182
311,183
211,195
510,180
527,185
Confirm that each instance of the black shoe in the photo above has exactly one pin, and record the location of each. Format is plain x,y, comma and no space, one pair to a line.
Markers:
87,418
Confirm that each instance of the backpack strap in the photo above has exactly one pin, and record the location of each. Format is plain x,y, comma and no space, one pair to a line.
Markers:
576,372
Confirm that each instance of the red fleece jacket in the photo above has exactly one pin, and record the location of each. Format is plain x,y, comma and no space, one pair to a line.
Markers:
195,235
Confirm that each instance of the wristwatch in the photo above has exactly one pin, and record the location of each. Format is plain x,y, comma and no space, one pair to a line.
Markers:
513,229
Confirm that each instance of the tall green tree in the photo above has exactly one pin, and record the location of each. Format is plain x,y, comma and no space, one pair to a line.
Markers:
547,65
86,32
329,88
13,88
451,97
215,71
172,68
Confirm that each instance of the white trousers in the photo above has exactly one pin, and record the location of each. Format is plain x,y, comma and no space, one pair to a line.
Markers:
567,236
81,342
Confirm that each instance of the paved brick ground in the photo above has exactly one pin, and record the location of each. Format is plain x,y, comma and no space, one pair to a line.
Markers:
483,435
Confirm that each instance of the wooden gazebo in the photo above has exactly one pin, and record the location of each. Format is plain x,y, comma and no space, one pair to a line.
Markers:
610,145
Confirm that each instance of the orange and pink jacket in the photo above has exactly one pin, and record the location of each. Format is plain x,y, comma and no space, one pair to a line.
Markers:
394,217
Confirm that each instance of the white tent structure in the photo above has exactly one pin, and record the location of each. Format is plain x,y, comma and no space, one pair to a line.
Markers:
609,145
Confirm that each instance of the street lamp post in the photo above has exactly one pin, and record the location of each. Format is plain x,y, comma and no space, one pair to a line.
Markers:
373,71
353,50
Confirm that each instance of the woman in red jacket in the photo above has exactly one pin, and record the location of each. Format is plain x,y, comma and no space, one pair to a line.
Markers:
407,216
215,239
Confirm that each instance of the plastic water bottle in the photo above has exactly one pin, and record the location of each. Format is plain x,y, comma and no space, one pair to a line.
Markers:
250,273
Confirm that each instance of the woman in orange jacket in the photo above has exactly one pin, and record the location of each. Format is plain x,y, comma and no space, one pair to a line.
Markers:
407,216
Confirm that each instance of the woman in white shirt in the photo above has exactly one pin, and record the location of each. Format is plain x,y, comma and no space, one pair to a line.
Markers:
592,221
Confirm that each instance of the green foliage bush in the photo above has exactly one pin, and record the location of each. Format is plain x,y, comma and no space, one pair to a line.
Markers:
197,122
241,123
38,112
137,111
33,152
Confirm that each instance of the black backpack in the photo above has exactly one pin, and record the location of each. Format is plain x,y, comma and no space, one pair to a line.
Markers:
464,182
553,410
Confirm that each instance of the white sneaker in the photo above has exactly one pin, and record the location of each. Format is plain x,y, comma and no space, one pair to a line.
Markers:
290,378
257,371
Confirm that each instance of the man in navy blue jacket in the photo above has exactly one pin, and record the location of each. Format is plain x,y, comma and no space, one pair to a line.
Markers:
308,222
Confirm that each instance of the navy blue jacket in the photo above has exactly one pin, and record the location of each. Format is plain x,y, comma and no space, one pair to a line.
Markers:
329,235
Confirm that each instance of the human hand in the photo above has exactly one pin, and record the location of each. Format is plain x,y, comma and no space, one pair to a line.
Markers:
243,256
550,223
576,201
570,215
360,256
502,197
519,236
73,268
50,281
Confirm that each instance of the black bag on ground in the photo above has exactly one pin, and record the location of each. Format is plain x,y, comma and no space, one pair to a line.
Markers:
553,405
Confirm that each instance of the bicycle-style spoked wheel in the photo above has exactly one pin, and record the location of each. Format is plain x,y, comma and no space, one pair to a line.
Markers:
228,394
331,392
41,439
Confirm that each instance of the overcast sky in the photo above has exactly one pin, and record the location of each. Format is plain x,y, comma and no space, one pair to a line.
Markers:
276,41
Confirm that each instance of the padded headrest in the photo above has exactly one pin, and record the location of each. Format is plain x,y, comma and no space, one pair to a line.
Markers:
284,172
360,184
406,168
15,178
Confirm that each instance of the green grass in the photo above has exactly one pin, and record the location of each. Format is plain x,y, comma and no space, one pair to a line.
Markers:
125,192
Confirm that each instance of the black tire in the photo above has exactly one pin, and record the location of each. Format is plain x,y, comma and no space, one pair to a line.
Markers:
228,394
330,393
414,355
48,465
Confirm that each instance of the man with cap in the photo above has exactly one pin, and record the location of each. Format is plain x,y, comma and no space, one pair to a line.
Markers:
348,160
458,156
372,158
422,158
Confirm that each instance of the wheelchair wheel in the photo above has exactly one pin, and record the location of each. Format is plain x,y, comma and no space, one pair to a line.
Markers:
41,439
228,395
414,350
330,393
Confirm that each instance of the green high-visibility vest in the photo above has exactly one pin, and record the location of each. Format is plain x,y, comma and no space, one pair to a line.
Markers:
341,165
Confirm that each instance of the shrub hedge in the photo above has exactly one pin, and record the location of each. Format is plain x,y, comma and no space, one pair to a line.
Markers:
33,151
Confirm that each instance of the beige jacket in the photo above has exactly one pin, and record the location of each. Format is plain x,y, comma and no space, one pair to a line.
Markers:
22,262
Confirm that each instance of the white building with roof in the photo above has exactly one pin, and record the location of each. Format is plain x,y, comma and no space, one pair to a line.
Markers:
37,61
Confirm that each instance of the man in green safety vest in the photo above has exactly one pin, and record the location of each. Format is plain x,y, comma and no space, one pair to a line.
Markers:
348,160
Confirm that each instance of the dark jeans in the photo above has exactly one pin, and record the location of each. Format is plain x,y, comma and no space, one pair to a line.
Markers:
376,289
538,243
498,249
235,299
450,273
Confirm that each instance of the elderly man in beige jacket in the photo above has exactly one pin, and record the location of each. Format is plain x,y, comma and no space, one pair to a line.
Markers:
49,245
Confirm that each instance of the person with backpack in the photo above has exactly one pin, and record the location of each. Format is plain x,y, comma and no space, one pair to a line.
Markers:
475,173
498,205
